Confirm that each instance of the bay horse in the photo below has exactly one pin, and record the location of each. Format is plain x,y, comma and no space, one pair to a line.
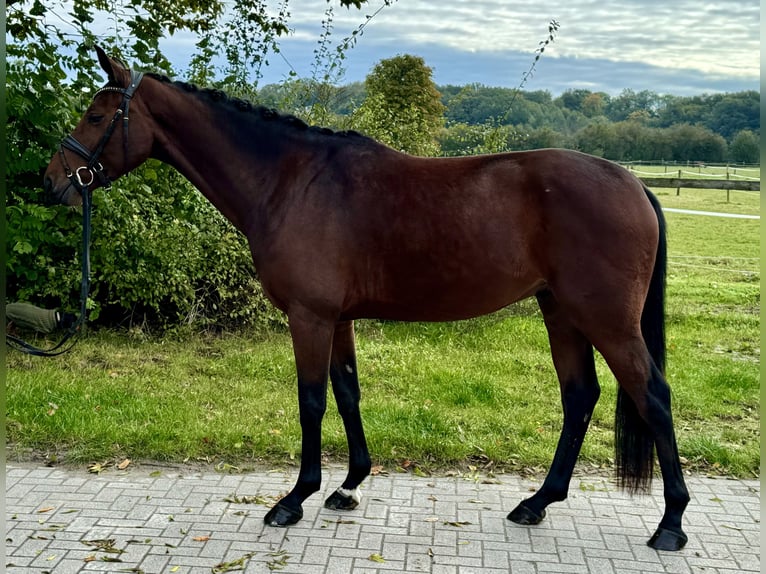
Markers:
342,227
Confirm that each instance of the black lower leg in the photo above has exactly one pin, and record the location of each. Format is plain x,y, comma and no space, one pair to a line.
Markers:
579,402
573,358
669,534
345,385
312,401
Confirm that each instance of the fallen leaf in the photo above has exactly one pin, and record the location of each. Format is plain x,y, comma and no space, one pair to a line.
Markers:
280,560
201,538
97,468
46,509
124,464
376,558
237,564
104,545
457,524
90,558
255,499
377,469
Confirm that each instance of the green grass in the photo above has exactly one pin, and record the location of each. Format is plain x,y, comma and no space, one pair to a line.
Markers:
441,395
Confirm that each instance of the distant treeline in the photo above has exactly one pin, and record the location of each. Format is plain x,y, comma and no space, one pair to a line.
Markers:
631,126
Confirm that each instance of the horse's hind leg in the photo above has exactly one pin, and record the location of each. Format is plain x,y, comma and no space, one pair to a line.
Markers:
573,358
345,386
644,415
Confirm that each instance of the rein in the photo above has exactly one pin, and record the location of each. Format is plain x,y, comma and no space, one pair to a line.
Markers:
94,169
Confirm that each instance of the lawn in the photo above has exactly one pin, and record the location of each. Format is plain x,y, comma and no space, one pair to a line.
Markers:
466,394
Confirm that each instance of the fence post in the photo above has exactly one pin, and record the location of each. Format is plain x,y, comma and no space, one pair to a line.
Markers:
678,189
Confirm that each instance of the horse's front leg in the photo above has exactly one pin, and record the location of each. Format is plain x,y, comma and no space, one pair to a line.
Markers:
312,339
345,386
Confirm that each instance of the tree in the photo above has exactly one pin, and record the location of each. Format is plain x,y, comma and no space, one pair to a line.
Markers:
629,101
593,104
573,99
696,143
735,112
745,147
402,108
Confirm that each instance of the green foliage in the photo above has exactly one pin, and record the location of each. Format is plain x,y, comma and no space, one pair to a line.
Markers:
41,241
632,141
163,252
160,252
403,107
634,125
745,147
466,139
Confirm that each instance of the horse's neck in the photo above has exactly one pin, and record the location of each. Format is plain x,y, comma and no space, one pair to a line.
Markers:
211,159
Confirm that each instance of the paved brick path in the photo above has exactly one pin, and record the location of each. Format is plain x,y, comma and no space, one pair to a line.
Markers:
171,521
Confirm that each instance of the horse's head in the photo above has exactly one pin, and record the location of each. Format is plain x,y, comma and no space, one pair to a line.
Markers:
113,137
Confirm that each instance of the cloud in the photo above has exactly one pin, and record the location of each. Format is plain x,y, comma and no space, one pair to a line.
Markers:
668,46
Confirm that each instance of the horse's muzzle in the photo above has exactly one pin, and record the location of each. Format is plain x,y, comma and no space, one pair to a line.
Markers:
60,195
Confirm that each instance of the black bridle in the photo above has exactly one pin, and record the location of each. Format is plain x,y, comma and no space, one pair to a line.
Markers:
81,179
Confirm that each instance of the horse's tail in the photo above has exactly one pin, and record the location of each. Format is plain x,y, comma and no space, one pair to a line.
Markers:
634,442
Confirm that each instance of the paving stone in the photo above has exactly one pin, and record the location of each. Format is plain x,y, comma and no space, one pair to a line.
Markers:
438,525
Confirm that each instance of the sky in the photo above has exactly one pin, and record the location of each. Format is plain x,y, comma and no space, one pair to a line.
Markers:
680,47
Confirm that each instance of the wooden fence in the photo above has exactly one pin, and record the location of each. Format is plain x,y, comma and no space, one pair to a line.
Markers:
737,183
679,182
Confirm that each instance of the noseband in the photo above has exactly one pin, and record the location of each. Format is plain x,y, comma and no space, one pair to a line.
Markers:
94,169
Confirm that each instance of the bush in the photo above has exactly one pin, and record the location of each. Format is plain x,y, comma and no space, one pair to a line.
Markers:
161,253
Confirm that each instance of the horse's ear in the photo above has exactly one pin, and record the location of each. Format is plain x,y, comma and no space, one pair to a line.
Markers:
116,72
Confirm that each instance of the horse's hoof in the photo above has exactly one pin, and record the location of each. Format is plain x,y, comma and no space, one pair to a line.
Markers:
665,539
522,514
343,499
282,515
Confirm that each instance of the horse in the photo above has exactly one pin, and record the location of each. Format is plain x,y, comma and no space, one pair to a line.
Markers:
342,227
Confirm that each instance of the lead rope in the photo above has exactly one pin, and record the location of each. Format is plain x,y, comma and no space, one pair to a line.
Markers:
28,348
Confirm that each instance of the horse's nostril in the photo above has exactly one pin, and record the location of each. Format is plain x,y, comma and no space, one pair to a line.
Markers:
49,195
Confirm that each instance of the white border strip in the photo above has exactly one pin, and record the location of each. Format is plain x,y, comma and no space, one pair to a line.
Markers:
711,213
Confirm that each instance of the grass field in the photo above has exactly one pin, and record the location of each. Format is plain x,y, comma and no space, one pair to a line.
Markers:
479,393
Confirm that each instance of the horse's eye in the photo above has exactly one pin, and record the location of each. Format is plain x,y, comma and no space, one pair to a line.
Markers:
95,119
